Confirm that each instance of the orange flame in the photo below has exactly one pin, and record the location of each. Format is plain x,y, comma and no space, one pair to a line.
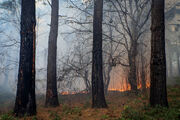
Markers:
124,86
121,89
72,92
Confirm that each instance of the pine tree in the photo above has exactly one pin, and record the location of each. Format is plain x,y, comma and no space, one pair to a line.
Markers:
98,99
25,98
51,91
158,92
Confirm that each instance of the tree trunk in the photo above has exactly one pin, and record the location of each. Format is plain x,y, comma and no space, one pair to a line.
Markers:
178,64
51,91
86,82
108,78
132,77
25,98
98,99
132,72
158,93
143,75
170,65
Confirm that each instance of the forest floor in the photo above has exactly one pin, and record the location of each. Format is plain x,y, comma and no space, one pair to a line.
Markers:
121,106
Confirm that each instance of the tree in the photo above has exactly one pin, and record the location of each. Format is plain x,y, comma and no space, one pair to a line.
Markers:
98,99
51,91
132,16
25,98
158,92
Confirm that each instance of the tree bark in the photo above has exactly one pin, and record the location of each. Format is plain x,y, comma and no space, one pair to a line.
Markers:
132,78
51,91
178,64
143,73
170,65
25,98
87,82
98,99
108,78
158,92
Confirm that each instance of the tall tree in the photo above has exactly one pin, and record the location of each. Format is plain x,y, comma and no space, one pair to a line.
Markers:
51,91
98,99
158,92
25,98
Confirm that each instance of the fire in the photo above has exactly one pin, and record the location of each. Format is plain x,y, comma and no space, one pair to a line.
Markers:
72,92
67,93
122,88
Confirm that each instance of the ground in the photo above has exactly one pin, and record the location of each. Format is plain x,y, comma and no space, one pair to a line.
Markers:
121,106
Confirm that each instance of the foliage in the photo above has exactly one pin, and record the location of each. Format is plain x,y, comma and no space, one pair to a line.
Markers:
69,110
131,114
86,105
149,113
104,117
7,117
54,116
34,118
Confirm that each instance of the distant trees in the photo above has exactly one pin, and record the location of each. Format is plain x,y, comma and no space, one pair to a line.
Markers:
158,93
25,98
132,16
98,99
51,91
124,24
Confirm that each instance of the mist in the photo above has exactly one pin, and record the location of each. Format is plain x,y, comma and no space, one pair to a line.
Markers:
126,48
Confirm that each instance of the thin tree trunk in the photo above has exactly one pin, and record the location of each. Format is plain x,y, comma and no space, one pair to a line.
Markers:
170,65
86,82
98,99
158,92
108,79
51,91
178,64
132,78
143,75
25,98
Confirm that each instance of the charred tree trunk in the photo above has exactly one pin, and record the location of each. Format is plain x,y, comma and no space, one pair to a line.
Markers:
98,99
25,98
158,92
51,91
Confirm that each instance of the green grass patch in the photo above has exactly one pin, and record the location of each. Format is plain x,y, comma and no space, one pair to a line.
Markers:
7,117
54,116
69,110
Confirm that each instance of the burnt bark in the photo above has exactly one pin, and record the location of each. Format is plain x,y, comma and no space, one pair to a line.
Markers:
98,98
158,92
25,98
51,91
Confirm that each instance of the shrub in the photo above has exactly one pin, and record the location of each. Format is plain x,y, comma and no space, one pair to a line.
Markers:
7,117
